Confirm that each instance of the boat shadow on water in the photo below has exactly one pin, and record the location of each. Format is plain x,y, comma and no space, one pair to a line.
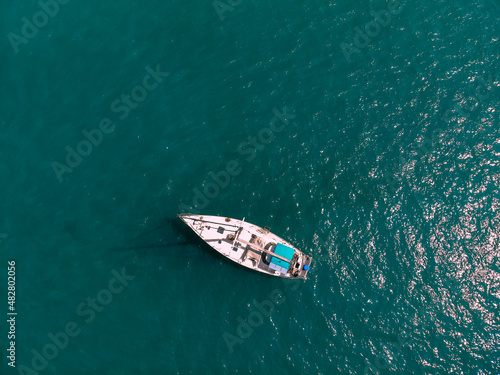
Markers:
167,235
174,235
171,233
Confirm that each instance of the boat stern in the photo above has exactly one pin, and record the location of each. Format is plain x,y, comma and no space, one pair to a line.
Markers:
301,267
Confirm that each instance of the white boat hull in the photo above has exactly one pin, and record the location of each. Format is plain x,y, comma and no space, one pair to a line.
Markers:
250,246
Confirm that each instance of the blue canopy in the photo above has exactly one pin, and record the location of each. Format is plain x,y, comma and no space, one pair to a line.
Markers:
284,251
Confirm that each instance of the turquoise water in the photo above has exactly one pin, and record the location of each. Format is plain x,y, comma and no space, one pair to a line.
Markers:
374,149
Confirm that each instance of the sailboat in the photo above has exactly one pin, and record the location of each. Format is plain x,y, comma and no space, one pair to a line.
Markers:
250,245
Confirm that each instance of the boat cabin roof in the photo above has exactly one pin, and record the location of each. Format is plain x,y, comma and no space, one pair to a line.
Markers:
285,252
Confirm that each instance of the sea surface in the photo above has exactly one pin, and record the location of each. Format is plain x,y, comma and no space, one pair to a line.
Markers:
366,133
